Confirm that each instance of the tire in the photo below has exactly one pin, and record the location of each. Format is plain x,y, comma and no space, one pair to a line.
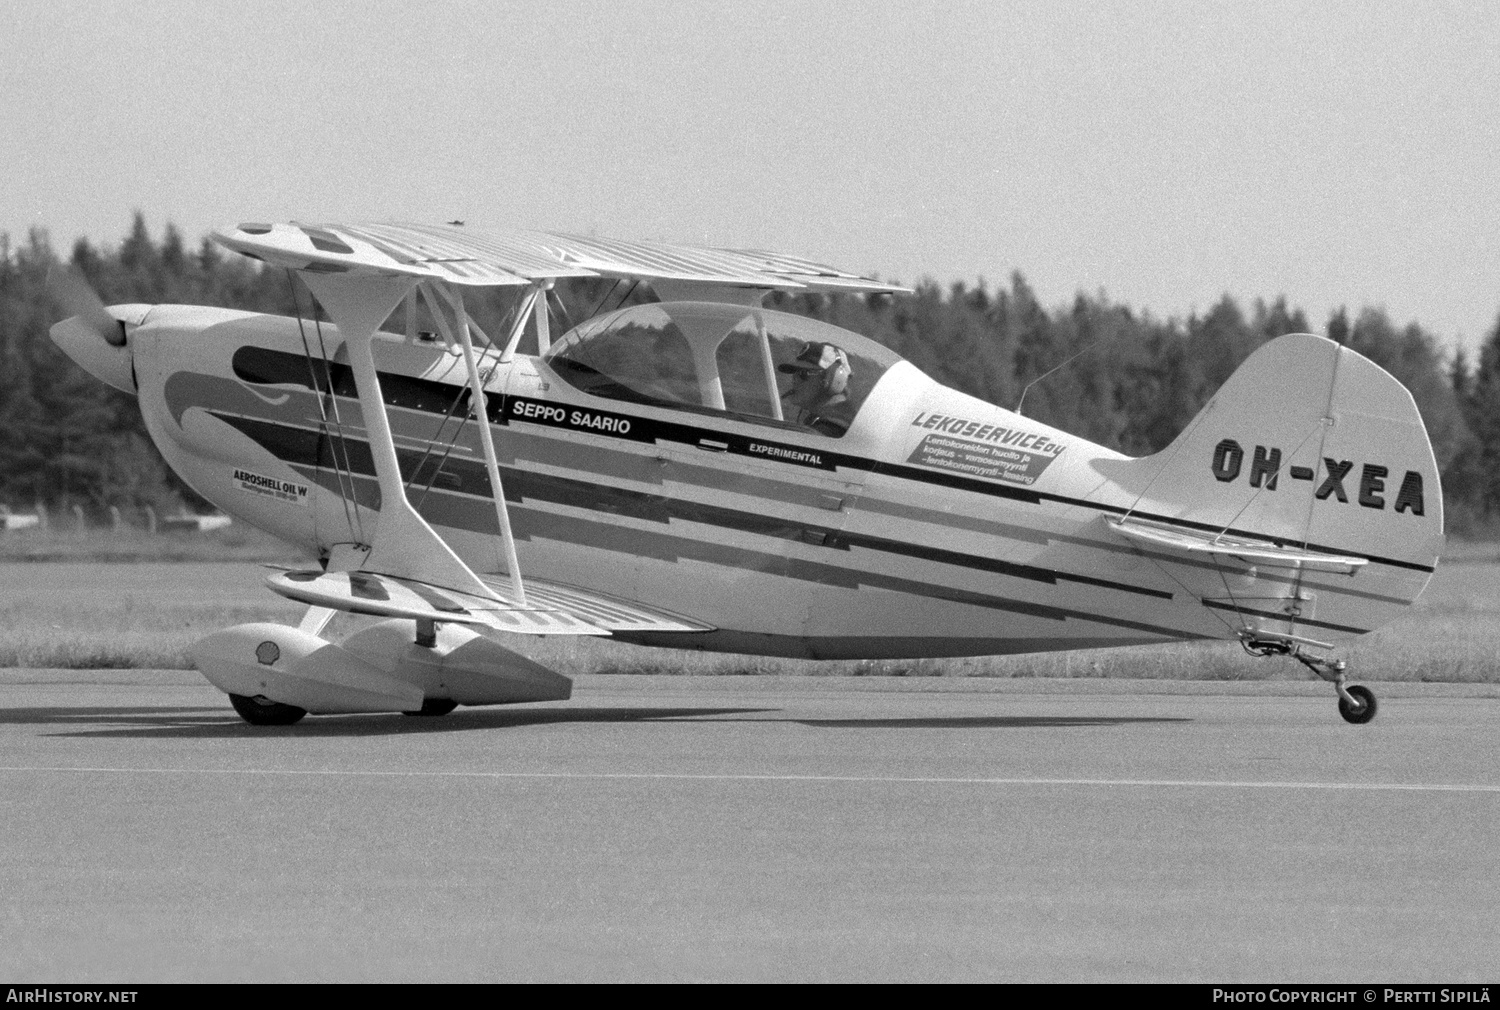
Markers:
259,712
1367,705
435,706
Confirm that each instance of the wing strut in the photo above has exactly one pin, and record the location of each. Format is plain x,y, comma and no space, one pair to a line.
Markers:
404,545
507,355
543,321
479,405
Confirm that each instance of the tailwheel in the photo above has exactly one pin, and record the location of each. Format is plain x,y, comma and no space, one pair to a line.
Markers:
262,711
435,706
1357,704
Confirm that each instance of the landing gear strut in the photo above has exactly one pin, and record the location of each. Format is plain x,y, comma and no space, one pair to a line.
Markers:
1356,704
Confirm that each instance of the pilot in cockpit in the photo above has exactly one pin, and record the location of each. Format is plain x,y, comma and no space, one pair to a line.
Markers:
820,385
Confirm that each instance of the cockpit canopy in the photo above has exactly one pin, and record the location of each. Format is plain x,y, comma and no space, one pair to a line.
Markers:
753,364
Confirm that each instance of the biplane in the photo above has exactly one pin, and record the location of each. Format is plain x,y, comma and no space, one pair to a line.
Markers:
701,471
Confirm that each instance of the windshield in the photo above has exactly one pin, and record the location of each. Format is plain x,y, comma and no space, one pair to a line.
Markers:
751,363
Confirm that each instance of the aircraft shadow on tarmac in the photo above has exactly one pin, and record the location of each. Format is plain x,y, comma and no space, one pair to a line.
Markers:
990,721
184,722
192,722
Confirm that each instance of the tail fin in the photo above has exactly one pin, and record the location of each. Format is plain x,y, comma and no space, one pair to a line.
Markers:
1310,444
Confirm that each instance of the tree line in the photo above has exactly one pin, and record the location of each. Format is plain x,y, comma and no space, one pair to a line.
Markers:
1129,380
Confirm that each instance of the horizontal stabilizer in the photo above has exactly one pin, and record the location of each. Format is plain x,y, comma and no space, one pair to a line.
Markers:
1178,541
550,609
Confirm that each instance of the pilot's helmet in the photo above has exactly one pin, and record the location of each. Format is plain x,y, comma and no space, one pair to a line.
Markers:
814,357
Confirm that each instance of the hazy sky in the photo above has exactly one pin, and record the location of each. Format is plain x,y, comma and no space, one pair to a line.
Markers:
1163,153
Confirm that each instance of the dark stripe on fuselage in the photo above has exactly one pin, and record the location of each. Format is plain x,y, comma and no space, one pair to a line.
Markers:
1242,611
265,366
305,447
1043,537
456,511
1037,497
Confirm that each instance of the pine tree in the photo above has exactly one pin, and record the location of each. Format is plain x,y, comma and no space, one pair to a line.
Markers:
1474,476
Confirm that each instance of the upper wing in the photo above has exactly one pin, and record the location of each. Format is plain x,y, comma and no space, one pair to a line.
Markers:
735,267
463,256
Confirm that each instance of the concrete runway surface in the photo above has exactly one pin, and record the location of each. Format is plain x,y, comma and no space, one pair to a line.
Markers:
753,829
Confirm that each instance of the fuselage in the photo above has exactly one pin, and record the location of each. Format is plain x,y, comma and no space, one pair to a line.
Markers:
935,525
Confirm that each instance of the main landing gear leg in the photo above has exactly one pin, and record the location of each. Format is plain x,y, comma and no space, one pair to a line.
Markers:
1356,703
427,639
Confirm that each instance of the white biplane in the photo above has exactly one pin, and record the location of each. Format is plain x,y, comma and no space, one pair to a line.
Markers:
705,473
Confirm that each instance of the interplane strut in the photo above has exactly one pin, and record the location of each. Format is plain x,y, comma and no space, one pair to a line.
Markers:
404,544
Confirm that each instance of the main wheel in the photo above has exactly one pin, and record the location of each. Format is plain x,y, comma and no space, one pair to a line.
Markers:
1366,709
265,712
435,706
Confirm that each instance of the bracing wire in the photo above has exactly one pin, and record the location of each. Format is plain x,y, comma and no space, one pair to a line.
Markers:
349,520
562,311
1182,440
447,451
507,324
600,304
339,424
